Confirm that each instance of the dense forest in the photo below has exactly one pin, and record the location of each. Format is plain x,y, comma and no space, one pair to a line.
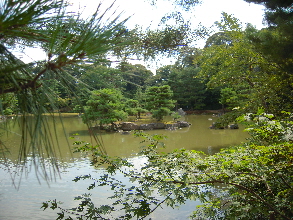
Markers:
244,71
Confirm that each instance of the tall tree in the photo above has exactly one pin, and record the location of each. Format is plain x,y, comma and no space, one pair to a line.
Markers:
241,66
158,101
104,106
228,98
276,41
162,76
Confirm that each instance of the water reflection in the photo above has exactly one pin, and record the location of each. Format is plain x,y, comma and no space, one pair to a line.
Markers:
25,202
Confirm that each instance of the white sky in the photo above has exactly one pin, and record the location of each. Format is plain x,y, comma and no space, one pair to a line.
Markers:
207,13
142,13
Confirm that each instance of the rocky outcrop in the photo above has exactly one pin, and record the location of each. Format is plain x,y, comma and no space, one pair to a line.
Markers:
171,126
129,126
146,127
217,125
158,125
182,124
233,126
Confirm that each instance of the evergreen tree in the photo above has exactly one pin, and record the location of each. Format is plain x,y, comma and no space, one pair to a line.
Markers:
105,106
159,102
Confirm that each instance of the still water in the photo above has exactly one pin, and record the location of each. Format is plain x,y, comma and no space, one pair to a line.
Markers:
23,199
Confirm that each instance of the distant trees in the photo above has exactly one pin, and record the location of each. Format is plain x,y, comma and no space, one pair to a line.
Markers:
133,77
189,90
228,98
97,77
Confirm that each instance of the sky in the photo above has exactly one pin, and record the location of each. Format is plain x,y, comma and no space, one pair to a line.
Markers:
207,13
142,13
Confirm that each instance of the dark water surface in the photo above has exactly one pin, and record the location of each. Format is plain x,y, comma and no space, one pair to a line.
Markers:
23,199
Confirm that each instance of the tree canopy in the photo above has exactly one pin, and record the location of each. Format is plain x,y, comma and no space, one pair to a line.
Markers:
240,64
105,106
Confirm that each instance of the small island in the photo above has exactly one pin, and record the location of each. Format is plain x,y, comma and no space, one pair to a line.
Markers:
129,126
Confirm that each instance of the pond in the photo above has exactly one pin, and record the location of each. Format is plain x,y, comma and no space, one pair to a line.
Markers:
23,199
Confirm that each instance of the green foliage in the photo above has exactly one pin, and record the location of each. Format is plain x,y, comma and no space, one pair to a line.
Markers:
104,105
266,130
134,77
68,40
8,104
228,98
71,41
248,181
240,65
175,116
133,107
158,101
100,77
256,183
